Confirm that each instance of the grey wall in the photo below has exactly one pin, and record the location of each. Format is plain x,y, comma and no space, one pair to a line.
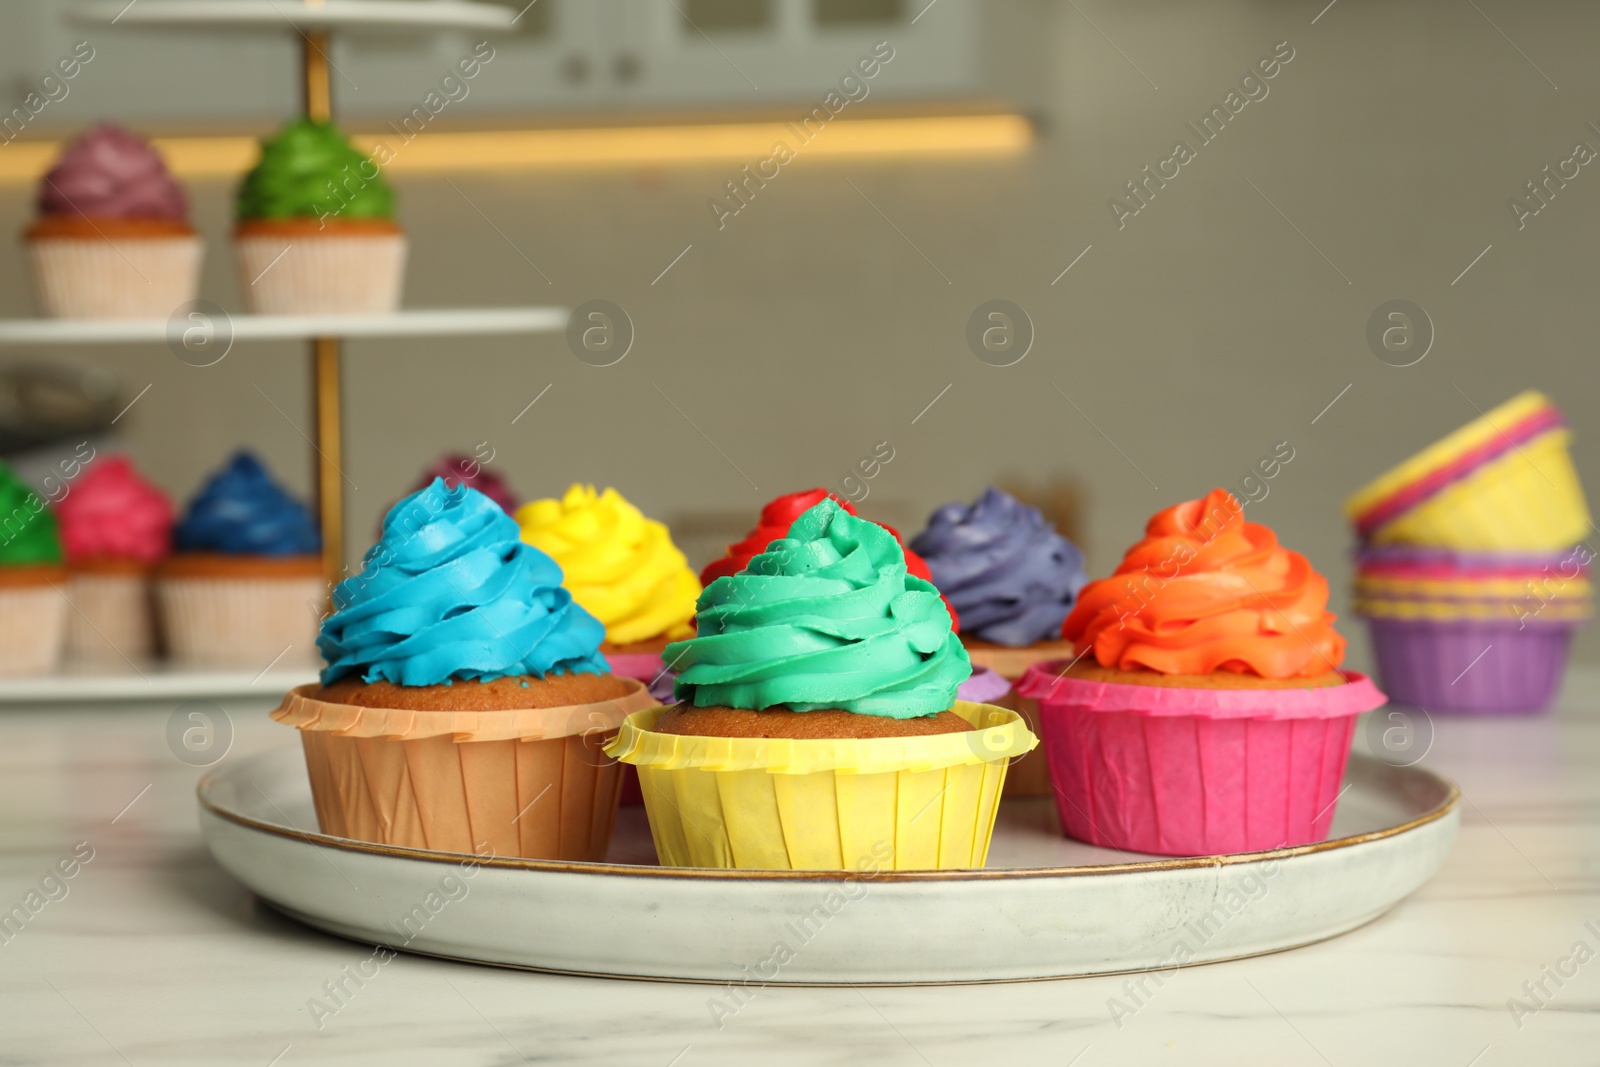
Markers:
1193,340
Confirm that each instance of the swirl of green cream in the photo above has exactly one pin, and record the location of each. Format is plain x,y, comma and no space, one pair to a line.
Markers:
826,617
28,531
309,170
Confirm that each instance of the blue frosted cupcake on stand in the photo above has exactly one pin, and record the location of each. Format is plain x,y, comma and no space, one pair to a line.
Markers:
243,587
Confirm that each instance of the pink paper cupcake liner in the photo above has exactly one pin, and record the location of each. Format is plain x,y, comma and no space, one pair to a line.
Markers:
1471,666
1195,772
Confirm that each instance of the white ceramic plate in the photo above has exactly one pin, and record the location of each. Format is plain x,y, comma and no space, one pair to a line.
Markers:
1046,907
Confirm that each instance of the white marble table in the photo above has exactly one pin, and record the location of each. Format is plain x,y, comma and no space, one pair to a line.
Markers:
152,955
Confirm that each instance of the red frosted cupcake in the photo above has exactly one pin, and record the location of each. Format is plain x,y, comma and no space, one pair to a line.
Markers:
1205,712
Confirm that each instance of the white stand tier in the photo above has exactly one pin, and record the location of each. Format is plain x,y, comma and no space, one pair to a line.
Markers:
298,15
435,322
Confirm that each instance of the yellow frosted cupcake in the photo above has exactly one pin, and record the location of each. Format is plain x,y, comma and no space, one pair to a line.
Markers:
622,568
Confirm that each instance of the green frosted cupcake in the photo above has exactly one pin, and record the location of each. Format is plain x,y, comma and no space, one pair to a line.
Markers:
818,725
33,581
316,232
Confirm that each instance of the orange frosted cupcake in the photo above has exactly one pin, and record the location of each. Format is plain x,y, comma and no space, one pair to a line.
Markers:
1205,712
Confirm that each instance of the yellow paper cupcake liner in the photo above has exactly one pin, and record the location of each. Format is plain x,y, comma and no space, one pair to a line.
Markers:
885,803
1529,498
1473,435
1512,610
1547,587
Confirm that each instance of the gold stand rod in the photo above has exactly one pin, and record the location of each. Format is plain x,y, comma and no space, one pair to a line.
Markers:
318,102
325,388
325,371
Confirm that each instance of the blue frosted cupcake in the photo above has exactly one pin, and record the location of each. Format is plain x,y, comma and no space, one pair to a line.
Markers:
1012,580
465,700
244,585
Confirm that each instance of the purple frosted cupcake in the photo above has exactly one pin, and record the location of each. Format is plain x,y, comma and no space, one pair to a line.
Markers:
1012,580
1476,633
112,237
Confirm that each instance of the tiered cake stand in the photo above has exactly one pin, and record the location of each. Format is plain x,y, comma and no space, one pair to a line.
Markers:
312,21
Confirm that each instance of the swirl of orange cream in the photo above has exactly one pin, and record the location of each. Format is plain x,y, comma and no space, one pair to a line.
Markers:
1207,591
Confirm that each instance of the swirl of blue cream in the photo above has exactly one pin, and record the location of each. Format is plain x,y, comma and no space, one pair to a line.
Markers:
451,592
241,511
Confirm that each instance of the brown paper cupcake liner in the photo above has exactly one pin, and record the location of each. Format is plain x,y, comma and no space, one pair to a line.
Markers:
240,622
321,275
112,618
115,278
529,782
33,623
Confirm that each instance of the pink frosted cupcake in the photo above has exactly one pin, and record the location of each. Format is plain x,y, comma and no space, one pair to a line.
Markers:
112,239
115,527
1205,712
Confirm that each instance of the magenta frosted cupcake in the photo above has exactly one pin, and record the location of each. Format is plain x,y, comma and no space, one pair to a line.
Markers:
112,237
115,527
460,469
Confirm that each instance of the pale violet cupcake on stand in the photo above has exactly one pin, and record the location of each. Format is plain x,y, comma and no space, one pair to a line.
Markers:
1013,579
465,700
112,238
243,586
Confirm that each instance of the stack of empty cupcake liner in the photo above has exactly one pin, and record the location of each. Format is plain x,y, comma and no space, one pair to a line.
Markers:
1472,573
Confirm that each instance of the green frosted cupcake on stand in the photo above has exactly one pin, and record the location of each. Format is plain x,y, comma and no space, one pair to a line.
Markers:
316,233
33,581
